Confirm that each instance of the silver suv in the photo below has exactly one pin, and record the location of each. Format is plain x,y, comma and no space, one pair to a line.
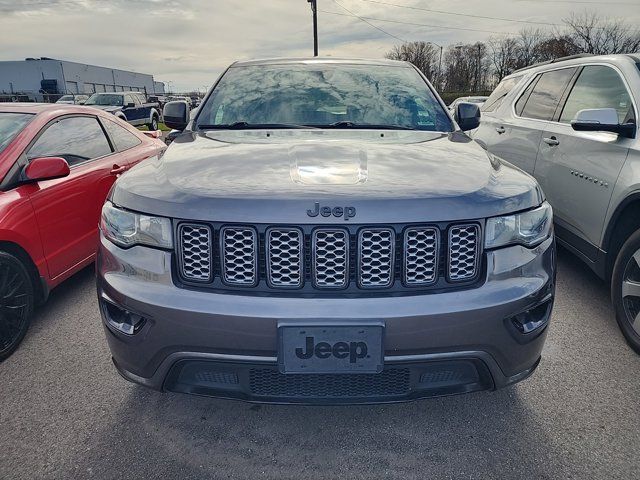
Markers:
572,124
324,232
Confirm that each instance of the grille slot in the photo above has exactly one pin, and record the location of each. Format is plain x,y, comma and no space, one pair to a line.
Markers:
330,258
376,250
284,257
195,252
271,383
421,251
239,256
464,247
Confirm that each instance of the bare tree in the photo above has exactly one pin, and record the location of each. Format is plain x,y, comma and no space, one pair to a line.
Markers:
504,54
600,36
422,54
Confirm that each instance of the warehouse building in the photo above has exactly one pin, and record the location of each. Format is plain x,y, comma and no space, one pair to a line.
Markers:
37,78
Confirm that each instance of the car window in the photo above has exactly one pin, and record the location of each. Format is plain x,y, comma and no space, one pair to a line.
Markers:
546,94
10,125
123,138
321,95
501,91
104,99
76,139
139,99
599,86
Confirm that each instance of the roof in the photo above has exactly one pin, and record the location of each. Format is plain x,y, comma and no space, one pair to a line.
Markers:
312,60
36,108
579,59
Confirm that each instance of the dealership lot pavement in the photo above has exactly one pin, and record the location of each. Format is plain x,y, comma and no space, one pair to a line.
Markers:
65,413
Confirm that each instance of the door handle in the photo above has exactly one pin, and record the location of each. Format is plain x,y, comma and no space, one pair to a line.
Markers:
552,141
117,170
500,130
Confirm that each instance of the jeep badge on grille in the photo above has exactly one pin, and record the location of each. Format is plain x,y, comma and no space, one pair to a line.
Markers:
345,212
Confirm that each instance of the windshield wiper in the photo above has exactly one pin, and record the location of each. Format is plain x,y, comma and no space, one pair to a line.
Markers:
253,126
364,126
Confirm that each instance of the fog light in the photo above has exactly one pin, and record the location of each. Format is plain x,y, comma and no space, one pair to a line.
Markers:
122,320
531,320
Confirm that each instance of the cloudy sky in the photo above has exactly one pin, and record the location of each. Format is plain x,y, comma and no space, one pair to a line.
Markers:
189,42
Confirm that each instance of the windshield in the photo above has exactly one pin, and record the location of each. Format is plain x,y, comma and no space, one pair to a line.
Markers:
323,95
105,99
66,98
10,125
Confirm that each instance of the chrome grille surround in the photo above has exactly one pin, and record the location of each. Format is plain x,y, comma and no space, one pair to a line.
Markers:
376,255
330,258
464,252
239,255
421,251
196,256
285,257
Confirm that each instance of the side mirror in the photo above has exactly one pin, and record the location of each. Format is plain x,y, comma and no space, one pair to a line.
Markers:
45,168
176,115
602,120
129,105
467,115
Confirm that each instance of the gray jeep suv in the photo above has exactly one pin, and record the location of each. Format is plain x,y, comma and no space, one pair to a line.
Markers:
572,124
323,232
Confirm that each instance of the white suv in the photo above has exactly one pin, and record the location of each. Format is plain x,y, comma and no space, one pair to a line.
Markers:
572,124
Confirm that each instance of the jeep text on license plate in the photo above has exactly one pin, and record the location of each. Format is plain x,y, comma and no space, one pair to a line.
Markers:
330,349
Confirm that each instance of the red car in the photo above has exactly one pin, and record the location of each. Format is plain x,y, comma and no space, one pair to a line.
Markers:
57,164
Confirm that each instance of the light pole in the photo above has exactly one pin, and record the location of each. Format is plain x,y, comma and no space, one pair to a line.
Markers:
314,9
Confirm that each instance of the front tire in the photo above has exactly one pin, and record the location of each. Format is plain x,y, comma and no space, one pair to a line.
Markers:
17,299
625,290
154,124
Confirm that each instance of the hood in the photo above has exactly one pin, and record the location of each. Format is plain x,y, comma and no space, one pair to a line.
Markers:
106,108
258,176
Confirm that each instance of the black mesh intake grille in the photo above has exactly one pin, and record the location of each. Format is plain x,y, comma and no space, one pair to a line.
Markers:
421,255
376,257
239,255
271,383
464,244
330,258
284,257
195,252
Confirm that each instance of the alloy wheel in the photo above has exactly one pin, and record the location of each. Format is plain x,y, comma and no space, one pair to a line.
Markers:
14,305
631,291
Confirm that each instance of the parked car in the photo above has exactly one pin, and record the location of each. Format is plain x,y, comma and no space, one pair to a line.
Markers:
160,100
73,99
57,163
335,239
132,107
476,99
572,124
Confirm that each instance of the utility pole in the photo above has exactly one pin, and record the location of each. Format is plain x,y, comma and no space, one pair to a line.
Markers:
314,9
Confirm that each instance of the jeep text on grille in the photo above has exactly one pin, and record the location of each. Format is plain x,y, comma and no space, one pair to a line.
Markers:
324,232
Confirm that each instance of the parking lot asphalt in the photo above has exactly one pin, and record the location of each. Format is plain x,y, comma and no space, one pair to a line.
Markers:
65,413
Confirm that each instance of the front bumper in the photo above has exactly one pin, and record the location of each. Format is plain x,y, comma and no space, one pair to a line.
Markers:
225,345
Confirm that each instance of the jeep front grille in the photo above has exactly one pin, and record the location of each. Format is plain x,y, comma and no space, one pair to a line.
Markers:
463,252
314,258
376,249
284,257
195,252
421,255
330,258
239,256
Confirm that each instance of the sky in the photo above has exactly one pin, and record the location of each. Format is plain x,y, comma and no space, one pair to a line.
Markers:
190,42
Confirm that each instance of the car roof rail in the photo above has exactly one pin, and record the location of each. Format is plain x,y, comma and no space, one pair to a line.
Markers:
555,60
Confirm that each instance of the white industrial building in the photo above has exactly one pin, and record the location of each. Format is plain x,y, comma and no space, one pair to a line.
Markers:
35,77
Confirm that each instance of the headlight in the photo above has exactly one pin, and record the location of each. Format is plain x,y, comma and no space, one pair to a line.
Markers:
126,228
527,228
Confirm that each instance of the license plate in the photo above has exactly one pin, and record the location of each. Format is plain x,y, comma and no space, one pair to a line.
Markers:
330,349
